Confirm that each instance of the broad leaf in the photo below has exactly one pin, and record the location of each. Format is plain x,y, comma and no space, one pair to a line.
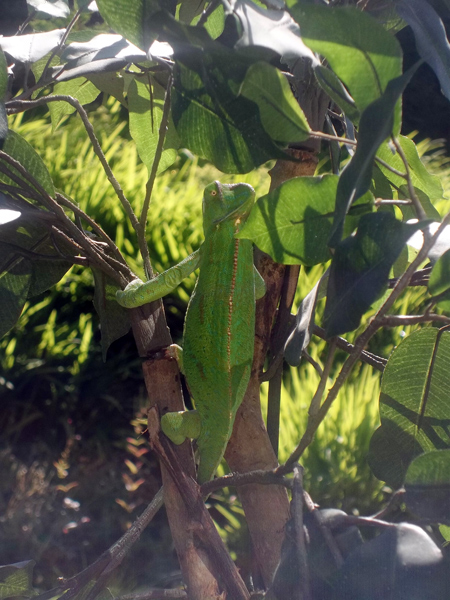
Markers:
131,19
81,89
422,180
146,110
114,320
403,562
14,286
360,268
292,223
377,122
18,148
102,46
358,49
414,407
273,29
280,113
431,39
427,486
16,580
337,92
33,46
50,8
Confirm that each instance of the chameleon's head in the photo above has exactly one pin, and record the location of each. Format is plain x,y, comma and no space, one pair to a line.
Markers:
222,202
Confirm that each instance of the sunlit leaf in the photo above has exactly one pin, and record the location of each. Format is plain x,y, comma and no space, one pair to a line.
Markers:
414,407
31,47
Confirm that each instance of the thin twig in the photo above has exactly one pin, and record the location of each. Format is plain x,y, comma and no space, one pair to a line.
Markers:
390,168
237,479
406,320
95,226
58,48
317,398
377,362
332,138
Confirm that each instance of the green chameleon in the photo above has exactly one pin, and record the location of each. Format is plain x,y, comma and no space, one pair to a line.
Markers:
219,326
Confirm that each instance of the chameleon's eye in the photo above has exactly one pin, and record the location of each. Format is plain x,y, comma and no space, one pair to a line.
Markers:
213,193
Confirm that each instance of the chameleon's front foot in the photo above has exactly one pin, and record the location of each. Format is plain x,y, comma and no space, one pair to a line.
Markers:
181,425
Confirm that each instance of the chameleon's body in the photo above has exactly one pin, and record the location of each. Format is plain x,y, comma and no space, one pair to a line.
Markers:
219,326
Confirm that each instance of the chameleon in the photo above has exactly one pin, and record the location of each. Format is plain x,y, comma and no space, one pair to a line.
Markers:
219,327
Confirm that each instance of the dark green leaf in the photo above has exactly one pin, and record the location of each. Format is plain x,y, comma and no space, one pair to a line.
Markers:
358,49
431,39
414,407
376,125
360,269
131,19
17,147
427,486
3,90
213,121
114,320
292,223
440,275
280,113
16,580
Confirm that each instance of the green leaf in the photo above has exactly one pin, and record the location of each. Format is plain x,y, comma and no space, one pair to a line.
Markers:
280,113
421,179
80,88
427,486
14,286
414,407
16,580
440,276
17,147
216,123
292,223
212,118
376,125
131,19
114,320
337,92
146,110
358,49
360,268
